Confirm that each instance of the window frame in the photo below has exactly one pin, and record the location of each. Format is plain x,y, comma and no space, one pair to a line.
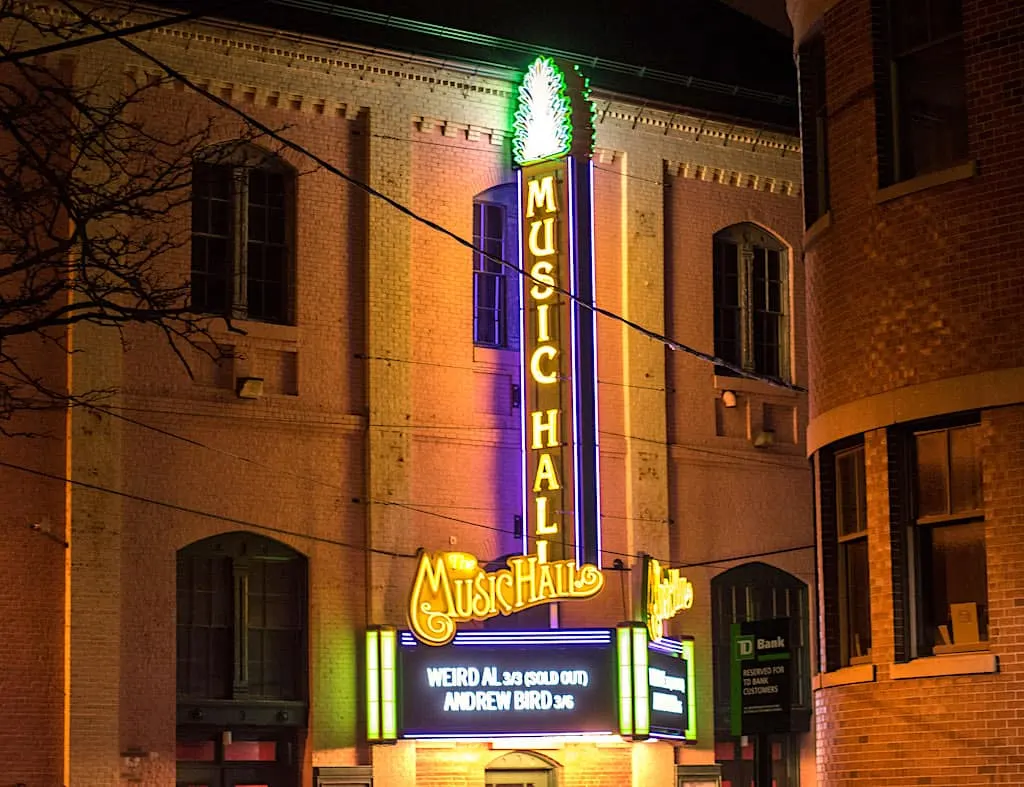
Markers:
920,592
843,542
505,197
813,67
240,551
237,165
893,132
747,238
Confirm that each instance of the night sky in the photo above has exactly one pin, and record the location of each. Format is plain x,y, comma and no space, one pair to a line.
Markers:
698,38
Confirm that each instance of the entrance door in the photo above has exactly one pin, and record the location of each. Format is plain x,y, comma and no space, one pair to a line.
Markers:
518,778
246,760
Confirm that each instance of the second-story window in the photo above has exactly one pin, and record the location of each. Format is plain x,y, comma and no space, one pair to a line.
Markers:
241,249
495,286
922,96
490,298
751,294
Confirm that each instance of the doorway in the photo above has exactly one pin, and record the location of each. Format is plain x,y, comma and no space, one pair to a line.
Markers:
520,769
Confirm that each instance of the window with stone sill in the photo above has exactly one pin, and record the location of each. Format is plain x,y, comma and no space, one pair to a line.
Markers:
842,514
947,541
242,250
751,295
920,87
495,286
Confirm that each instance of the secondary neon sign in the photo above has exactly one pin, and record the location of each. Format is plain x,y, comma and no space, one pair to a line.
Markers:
666,592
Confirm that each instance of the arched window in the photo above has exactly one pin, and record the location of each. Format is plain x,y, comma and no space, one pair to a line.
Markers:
495,286
751,295
241,619
242,661
242,251
757,591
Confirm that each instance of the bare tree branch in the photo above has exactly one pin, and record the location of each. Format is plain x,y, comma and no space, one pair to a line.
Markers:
91,203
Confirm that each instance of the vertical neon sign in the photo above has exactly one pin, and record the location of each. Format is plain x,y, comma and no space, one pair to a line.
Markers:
559,382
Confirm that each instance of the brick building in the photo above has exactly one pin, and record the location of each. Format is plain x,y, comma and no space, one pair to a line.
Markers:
206,555
913,171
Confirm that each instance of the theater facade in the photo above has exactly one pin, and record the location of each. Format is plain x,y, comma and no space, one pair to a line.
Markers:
504,481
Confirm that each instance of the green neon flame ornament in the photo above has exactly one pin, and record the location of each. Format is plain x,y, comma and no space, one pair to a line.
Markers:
543,121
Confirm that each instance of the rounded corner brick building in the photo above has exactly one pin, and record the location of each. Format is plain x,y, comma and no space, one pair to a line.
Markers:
912,131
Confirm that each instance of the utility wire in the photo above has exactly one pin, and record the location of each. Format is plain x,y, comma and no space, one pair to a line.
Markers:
324,539
198,512
403,209
144,27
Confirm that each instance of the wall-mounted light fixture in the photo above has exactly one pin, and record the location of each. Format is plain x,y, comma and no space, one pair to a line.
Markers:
249,387
764,439
729,398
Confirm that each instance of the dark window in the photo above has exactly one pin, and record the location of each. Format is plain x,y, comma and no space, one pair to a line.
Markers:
947,540
241,620
241,255
814,129
750,281
852,534
495,286
922,99
490,298
757,591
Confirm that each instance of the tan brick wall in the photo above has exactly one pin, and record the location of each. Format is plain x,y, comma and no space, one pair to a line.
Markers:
399,436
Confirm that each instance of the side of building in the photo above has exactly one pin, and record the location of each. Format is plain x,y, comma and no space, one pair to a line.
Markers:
242,530
913,173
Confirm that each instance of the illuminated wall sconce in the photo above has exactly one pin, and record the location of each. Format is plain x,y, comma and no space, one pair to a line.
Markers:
729,398
634,688
249,387
764,439
381,688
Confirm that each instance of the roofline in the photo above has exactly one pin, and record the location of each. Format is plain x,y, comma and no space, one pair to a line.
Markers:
592,62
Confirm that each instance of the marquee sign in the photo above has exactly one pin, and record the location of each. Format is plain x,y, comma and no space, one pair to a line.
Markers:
494,683
558,375
561,506
670,669
491,684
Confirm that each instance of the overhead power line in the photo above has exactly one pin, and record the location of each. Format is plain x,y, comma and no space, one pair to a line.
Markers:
143,27
401,208
335,541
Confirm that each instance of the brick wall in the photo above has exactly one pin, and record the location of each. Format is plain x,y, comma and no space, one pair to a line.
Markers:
400,434
903,294
927,286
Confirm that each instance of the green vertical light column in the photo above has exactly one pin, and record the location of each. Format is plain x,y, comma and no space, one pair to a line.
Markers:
381,702
691,689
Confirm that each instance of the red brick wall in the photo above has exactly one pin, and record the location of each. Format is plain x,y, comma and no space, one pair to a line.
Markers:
929,285
924,287
938,730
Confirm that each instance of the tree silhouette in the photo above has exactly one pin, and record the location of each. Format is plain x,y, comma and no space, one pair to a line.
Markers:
89,206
